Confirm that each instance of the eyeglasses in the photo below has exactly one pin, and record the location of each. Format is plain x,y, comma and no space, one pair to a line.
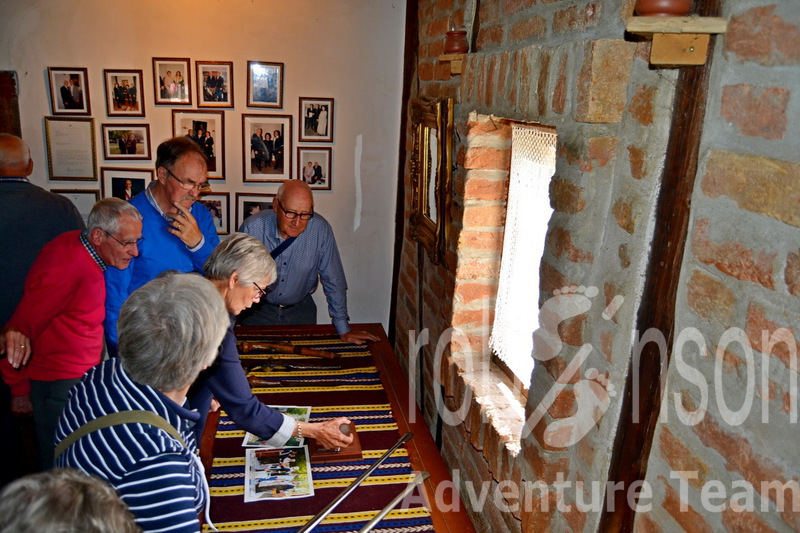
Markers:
126,244
261,293
201,187
294,214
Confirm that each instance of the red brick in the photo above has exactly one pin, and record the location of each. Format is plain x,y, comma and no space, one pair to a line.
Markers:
645,524
559,242
757,184
478,270
709,298
758,325
426,71
486,189
689,520
481,240
641,107
637,159
550,278
560,91
489,79
510,7
602,150
541,85
755,111
565,404
438,27
624,256
733,258
490,127
744,522
487,159
566,197
484,216
442,70
761,36
680,457
468,292
603,81
490,35
791,275
528,28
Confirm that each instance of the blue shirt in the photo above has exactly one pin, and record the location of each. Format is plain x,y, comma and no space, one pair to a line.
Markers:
160,480
159,251
311,258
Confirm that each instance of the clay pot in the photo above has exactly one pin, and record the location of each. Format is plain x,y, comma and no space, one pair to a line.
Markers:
455,42
663,8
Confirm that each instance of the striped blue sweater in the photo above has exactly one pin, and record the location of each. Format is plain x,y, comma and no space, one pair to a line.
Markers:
159,479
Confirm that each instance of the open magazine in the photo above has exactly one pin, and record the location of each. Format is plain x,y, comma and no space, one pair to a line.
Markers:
296,412
277,473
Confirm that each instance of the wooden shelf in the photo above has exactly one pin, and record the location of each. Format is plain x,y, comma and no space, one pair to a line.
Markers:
456,61
677,41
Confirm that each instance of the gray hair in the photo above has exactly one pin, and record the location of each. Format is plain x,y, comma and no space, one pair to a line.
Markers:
243,254
63,499
170,329
106,214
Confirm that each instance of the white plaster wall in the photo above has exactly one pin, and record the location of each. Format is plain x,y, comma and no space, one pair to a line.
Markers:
350,50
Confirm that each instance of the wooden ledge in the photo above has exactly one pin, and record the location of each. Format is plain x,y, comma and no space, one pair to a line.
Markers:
651,25
456,62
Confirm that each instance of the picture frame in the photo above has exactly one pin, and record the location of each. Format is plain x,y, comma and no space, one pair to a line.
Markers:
190,123
249,203
69,90
314,166
317,117
124,94
262,163
264,84
83,199
172,80
214,83
219,204
71,148
126,141
113,181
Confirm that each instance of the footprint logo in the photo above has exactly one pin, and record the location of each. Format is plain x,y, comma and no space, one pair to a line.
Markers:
593,394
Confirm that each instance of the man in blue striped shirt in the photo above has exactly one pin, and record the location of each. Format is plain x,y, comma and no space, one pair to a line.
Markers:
169,330
304,248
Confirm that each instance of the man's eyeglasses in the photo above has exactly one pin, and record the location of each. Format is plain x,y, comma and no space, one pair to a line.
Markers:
202,187
126,244
261,293
294,214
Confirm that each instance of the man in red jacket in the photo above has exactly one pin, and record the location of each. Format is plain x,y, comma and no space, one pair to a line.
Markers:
55,334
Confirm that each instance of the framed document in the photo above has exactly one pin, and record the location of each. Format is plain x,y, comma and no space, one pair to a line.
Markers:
70,148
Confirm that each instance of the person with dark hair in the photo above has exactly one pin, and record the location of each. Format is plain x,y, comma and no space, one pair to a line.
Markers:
128,423
179,232
63,500
56,332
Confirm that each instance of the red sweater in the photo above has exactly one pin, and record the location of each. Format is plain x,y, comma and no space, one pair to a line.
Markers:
61,311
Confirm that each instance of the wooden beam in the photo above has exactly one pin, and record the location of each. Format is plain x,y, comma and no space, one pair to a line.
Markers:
650,25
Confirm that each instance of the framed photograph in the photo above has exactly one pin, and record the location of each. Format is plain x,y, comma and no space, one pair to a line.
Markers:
70,148
84,199
219,204
172,80
124,96
317,117
249,204
267,147
314,167
206,128
126,141
124,183
69,90
214,83
264,84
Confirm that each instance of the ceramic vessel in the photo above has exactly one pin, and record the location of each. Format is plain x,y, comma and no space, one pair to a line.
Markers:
663,8
455,42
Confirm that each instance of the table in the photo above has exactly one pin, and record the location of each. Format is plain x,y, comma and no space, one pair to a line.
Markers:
370,389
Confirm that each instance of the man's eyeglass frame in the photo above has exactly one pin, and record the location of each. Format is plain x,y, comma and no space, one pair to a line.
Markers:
201,187
291,215
137,242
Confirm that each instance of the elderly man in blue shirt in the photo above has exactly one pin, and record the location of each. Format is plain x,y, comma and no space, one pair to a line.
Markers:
305,252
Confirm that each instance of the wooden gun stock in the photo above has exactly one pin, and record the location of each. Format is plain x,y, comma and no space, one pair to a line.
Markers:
248,346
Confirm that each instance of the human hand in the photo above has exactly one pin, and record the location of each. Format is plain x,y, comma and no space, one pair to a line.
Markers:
214,405
184,226
327,434
21,405
358,337
18,347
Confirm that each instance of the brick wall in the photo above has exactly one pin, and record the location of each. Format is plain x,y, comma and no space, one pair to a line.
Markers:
568,65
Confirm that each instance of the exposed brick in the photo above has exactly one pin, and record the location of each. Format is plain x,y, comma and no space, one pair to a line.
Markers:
528,28
488,159
602,150
495,189
509,7
758,325
566,197
442,70
571,330
709,298
680,457
489,79
758,184
559,241
550,278
791,275
560,91
624,256
645,524
490,35
565,404
468,292
760,35
733,258
744,521
490,128
481,240
541,85
756,112
689,520
602,81
478,270
623,214
502,69
525,83
426,71
637,159
484,216
437,27
641,107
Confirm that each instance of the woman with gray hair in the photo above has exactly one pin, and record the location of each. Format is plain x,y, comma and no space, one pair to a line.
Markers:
127,421
241,268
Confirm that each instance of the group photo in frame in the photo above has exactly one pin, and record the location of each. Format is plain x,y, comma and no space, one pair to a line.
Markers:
250,203
317,117
219,205
124,95
214,83
83,199
71,148
264,84
124,183
126,141
172,80
69,90
267,141
314,167
207,129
